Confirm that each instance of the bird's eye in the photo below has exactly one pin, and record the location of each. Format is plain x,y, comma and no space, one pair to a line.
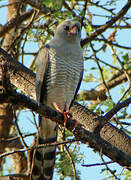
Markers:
66,27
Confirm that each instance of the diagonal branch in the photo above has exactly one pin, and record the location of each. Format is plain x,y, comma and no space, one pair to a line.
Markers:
111,141
15,20
112,43
19,73
26,15
95,141
127,26
107,25
117,108
100,92
38,5
3,155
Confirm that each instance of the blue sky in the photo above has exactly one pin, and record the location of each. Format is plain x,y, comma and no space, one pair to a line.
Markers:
90,157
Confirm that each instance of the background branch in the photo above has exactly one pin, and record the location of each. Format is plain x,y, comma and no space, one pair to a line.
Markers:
15,21
107,25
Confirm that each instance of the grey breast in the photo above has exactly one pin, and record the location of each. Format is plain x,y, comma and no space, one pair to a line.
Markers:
62,78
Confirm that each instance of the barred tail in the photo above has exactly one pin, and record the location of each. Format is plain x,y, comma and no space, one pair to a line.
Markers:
44,158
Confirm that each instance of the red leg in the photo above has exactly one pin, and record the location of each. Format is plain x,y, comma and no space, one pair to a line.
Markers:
60,111
65,113
68,114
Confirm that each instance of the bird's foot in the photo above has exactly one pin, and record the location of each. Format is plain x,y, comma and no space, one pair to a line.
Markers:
65,113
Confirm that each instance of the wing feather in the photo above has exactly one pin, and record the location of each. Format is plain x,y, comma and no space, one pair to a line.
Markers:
78,87
42,66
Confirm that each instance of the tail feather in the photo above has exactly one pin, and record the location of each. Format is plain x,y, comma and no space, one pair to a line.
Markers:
44,158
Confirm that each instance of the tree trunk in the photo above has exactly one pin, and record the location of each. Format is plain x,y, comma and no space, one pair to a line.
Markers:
6,109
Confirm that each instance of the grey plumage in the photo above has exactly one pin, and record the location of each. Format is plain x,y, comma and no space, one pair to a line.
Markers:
58,77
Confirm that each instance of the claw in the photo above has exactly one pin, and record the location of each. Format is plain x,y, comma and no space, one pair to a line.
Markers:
65,113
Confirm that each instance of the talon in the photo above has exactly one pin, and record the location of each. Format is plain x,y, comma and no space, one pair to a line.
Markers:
65,113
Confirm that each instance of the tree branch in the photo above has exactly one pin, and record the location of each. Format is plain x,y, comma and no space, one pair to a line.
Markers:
35,147
15,20
26,15
38,5
117,108
127,26
100,92
107,25
15,177
97,164
19,73
111,43
118,154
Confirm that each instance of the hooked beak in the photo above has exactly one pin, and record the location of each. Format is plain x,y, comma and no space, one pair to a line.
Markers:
73,30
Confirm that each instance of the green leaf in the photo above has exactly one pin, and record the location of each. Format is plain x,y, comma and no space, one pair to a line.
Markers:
64,167
109,103
53,4
126,58
89,29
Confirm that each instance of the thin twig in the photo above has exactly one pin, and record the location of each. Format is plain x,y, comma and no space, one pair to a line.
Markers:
107,64
111,43
97,164
35,147
17,39
108,169
19,132
84,10
72,162
117,108
10,139
118,59
101,73
9,25
107,25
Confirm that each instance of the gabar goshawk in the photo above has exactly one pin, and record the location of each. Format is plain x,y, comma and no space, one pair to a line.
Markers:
58,78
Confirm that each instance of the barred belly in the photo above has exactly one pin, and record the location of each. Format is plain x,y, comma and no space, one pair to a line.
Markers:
62,80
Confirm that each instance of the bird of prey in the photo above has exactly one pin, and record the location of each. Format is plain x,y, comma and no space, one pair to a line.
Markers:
58,78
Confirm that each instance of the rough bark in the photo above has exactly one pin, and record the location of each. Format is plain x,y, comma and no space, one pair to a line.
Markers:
15,177
100,92
108,132
91,128
6,115
6,109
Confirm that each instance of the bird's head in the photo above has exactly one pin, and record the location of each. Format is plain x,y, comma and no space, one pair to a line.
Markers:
69,30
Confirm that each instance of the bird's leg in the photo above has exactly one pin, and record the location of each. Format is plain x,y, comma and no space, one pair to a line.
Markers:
69,115
65,113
